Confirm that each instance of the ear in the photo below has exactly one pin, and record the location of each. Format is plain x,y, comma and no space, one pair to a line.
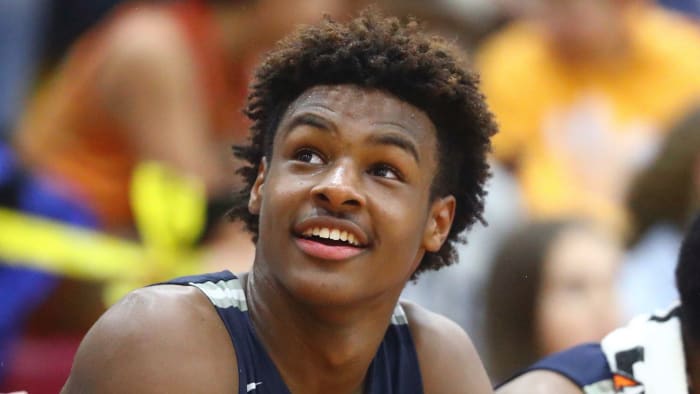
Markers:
442,212
256,192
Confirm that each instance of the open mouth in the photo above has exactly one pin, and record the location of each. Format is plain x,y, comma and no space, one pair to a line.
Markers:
331,237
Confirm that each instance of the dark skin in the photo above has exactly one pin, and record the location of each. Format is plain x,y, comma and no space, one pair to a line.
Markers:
344,157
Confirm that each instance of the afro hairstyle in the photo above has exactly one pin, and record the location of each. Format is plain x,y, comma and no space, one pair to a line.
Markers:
376,52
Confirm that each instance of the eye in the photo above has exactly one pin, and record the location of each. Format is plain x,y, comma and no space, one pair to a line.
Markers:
385,171
308,156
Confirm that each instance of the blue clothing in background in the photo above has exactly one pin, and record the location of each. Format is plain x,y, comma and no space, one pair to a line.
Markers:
24,289
690,7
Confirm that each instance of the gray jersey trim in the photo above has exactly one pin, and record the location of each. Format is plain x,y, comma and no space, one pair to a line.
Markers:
224,293
600,387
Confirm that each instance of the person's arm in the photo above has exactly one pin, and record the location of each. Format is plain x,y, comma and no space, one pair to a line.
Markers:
151,85
448,361
539,382
164,339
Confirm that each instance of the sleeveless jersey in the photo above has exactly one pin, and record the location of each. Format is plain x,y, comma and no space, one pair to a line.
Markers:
585,365
645,356
394,368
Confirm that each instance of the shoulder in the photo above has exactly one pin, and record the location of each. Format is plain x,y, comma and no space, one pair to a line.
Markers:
568,371
168,337
145,31
540,382
147,44
448,361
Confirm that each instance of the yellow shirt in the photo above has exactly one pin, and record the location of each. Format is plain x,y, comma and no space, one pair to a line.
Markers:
579,132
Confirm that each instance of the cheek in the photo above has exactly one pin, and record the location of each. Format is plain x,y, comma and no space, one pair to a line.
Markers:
400,216
280,199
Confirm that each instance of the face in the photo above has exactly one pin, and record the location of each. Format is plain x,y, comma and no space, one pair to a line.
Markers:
344,203
577,302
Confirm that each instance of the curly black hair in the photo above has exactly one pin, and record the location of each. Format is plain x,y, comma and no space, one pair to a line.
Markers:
375,52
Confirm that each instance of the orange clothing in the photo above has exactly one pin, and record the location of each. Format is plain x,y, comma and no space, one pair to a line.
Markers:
578,132
70,133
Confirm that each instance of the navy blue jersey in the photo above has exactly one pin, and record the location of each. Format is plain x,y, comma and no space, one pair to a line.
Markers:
646,355
585,365
394,368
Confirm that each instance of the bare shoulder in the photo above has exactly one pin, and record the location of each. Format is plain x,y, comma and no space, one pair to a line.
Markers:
165,337
145,33
540,382
448,360
147,45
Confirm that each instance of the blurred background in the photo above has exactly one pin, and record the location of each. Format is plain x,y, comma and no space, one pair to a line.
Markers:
117,118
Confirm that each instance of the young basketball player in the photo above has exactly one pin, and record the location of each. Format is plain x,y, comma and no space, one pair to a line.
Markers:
367,159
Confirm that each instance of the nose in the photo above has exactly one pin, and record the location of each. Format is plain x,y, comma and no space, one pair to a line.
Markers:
338,189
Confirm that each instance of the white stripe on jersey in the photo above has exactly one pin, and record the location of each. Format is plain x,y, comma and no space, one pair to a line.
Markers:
224,293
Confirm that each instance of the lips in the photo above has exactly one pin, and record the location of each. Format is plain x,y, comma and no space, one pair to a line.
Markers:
329,238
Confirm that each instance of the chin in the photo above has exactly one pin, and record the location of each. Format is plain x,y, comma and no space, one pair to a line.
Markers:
323,288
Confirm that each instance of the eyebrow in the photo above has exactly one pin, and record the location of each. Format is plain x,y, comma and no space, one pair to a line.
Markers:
398,141
320,123
310,119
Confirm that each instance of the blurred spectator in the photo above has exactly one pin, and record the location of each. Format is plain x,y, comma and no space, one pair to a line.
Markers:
162,82
661,201
583,90
34,35
464,21
552,285
654,353
455,291
22,290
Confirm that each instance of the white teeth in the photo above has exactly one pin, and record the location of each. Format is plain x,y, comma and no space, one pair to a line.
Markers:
334,234
325,233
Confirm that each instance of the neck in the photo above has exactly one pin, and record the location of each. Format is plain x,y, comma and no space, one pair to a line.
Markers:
324,348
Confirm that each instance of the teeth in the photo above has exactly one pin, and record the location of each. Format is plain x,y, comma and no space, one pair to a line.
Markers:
334,234
325,233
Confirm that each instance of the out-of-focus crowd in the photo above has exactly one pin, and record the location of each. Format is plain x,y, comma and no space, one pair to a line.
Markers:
596,166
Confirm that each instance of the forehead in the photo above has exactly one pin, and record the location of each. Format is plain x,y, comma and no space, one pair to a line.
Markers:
363,105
